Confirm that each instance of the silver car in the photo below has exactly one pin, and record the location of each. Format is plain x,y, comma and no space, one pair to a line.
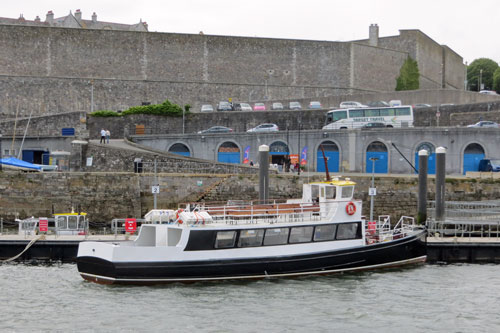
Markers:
484,124
264,128
207,108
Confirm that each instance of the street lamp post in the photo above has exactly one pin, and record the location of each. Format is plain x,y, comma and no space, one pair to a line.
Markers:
480,80
91,96
373,191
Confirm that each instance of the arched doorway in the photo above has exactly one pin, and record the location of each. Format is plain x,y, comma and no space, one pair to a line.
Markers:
332,157
228,152
431,162
179,149
279,152
473,153
377,150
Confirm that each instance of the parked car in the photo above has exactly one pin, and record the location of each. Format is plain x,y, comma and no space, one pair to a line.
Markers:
374,124
421,105
351,104
242,107
207,108
224,106
314,105
259,107
216,129
378,104
265,128
488,92
277,106
484,123
489,165
294,106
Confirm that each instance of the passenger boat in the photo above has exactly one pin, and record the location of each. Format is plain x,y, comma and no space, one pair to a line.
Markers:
321,233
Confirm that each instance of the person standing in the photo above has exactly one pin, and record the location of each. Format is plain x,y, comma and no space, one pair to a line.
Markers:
103,136
108,134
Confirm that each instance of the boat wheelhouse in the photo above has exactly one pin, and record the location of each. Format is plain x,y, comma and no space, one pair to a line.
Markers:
323,232
60,224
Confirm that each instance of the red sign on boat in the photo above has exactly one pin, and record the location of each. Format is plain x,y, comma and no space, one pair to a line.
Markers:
130,225
43,224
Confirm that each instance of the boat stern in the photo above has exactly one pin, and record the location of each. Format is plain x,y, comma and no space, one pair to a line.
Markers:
95,262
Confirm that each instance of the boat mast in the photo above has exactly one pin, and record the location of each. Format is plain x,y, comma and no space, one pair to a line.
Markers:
326,163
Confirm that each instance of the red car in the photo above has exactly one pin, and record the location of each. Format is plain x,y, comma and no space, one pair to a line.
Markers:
259,107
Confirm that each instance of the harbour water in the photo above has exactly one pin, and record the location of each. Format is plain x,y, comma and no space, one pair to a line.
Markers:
426,298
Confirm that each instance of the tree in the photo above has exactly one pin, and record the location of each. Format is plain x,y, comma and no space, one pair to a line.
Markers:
496,80
408,76
481,69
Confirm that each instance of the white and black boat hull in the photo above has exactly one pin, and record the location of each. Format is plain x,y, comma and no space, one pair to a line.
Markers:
400,252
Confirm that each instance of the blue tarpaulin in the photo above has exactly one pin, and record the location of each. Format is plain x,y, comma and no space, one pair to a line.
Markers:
14,163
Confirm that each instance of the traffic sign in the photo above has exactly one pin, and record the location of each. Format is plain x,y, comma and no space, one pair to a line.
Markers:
155,189
372,191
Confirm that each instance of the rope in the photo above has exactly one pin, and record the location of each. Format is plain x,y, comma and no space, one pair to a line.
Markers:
25,249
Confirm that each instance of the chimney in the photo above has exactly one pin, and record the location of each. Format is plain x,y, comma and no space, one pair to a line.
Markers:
94,17
373,35
145,24
78,15
50,17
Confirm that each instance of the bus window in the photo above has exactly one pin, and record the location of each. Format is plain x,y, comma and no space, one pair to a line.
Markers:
337,115
356,113
403,112
387,112
372,113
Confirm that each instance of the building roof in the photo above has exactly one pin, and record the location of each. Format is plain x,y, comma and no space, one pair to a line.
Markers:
75,21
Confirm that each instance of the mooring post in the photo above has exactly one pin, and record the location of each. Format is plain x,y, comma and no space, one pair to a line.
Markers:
263,173
440,182
422,186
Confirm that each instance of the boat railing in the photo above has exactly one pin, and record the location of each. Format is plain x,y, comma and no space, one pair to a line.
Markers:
255,212
381,231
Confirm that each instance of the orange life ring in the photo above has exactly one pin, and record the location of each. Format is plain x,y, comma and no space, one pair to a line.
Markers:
350,208
177,215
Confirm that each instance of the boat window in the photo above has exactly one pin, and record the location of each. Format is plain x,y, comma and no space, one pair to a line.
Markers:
251,238
301,234
61,222
225,239
72,222
347,231
276,236
330,192
315,192
324,232
347,191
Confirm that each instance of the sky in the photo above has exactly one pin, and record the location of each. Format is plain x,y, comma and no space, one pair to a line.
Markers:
470,28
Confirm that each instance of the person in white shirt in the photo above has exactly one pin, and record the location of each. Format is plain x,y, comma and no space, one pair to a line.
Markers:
103,136
108,134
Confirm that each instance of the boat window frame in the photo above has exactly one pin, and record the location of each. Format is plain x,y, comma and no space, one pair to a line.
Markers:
344,192
324,225
357,233
301,227
235,234
238,243
274,228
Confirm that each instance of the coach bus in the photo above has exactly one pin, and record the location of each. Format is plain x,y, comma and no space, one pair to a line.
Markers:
394,116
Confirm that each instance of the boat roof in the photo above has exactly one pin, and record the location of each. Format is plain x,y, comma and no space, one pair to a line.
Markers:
336,182
60,214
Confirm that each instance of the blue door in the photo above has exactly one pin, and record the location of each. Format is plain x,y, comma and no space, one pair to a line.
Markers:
471,162
233,157
332,158
28,156
381,165
431,163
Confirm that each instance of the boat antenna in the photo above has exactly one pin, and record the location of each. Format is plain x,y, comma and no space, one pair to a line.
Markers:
326,163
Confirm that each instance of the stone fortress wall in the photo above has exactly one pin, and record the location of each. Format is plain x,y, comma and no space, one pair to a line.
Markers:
62,69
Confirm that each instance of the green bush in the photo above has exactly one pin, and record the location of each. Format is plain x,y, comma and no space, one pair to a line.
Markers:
105,113
166,108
